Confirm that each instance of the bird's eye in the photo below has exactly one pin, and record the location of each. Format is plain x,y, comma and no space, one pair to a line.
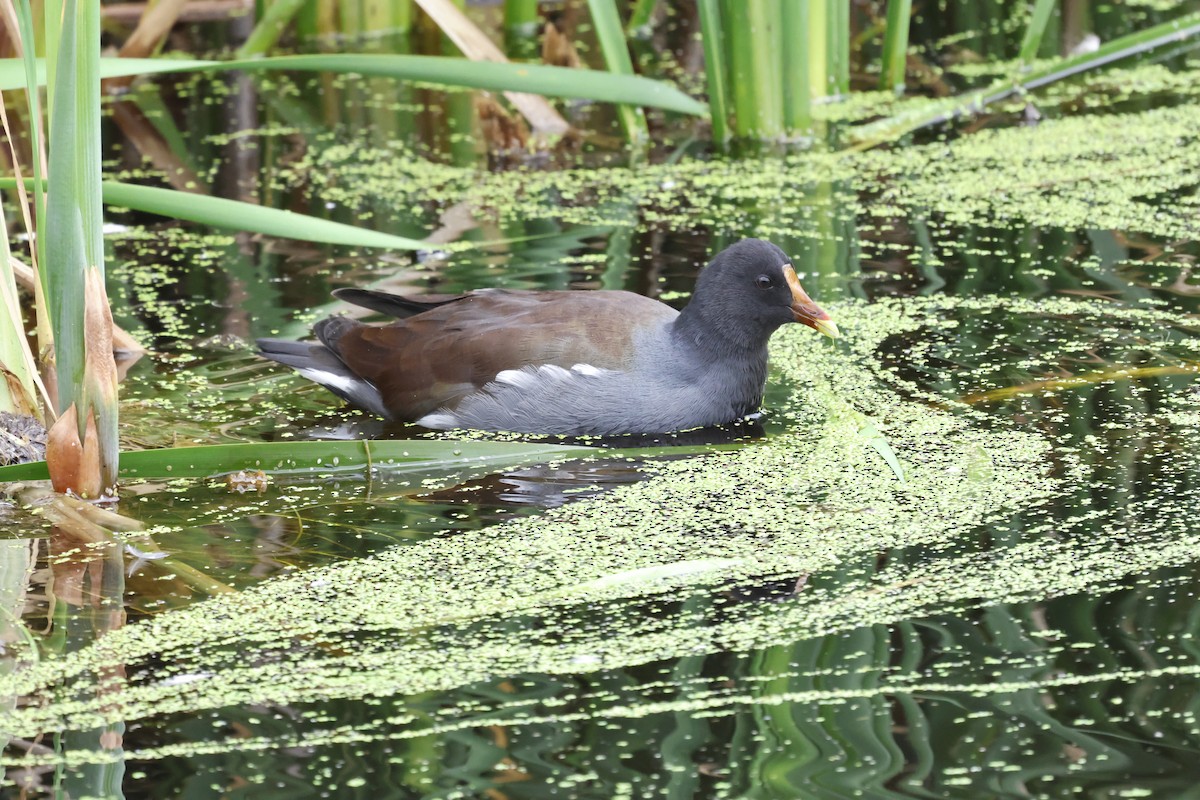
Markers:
763,282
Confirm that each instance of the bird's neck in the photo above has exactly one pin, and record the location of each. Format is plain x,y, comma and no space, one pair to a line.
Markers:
735,368
702,329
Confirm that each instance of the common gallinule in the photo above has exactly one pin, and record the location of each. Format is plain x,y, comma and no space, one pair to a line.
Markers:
601,362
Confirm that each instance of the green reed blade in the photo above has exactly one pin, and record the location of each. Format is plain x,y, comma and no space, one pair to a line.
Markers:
838,48
715,68
797,91
73,207
1037,28
222,213
521,15
616,58
816,47
29,59
640,16
270,27
15,354
441,70
895,45
756,63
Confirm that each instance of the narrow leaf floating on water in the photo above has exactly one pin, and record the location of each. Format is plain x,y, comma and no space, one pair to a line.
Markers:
319,457
875,438
866,429
981,467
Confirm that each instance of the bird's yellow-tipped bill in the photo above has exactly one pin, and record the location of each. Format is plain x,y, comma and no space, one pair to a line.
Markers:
805,310
828,327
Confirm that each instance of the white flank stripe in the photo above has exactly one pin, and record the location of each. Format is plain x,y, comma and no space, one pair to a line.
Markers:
552,372
516,377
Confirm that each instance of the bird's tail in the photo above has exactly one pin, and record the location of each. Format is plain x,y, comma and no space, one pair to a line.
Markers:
320,363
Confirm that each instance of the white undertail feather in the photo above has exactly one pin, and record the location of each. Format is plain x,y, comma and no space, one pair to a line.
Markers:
439,420
331,379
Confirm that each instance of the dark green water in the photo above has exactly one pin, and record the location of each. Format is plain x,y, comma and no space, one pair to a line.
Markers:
1020,622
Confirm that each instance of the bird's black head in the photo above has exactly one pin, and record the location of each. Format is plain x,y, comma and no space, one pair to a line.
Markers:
749,290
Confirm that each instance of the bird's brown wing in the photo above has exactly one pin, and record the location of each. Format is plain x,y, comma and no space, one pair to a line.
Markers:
435,358
395,305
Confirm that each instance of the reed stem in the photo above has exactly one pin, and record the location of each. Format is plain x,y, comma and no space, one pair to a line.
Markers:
616,58
270,27
640,16
522,23
816,46
895,45
715,68
757,64
838,48
797,90
1038,22
520,13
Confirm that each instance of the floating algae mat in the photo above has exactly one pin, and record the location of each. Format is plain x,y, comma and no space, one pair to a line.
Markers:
744,624
1120,170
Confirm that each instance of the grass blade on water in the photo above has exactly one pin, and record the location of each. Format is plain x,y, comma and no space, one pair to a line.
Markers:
879,443
320,457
